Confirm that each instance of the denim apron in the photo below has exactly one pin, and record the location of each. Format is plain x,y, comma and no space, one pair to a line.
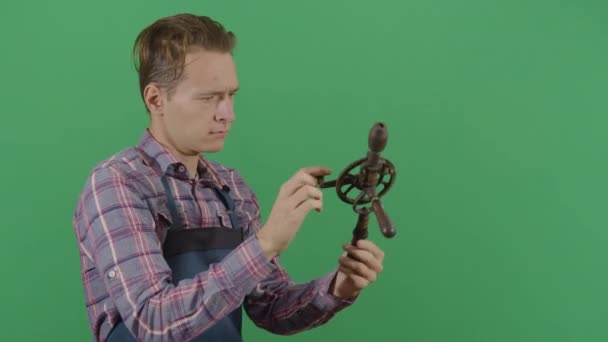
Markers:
191,251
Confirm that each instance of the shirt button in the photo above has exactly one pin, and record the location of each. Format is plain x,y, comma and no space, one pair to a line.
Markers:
112,273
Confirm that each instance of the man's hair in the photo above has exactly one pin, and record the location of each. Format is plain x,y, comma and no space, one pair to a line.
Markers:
160,49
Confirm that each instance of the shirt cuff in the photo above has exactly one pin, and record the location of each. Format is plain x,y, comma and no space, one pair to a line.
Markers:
246,267
326,301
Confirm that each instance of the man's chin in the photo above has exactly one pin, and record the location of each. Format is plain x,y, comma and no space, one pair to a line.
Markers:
213,148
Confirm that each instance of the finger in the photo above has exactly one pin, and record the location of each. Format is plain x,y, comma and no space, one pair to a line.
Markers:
364,256
307,206
298,180
305,193
316,171
372,248
357,268
358,281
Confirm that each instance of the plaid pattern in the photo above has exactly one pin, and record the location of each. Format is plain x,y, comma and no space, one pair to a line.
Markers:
120,222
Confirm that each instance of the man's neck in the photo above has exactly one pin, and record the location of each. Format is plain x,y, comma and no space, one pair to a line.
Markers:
190,161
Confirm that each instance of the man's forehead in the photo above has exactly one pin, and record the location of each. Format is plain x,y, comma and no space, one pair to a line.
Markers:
213,85
204,59
213,71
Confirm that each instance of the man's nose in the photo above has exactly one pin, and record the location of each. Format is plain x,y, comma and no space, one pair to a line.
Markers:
226,111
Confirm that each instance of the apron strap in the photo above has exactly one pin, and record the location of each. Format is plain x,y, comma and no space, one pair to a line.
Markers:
224,195
175,218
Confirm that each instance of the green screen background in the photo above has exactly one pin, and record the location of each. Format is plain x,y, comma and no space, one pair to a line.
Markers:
496,113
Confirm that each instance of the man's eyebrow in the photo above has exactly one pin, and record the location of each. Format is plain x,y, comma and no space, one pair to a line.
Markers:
218,92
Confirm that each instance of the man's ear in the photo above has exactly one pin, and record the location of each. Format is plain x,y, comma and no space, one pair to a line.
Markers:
153,99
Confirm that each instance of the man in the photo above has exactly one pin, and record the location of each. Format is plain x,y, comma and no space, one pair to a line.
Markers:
172,246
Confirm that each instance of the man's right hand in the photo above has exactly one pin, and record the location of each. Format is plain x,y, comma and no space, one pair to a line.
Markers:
296,198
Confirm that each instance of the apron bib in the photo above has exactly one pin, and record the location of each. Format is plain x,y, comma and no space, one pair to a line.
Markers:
191,251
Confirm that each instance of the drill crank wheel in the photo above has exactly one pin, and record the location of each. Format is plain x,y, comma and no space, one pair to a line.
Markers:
350,180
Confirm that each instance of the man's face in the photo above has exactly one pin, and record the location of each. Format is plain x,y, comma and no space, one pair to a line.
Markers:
197,116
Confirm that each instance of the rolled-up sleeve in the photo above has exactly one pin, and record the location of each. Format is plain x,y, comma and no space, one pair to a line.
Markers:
280,305
123,244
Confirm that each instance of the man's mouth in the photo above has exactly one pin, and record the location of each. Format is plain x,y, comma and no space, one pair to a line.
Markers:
219,133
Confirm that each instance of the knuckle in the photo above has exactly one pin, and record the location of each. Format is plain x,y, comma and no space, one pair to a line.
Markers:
346,261
300,191
317,192
350,262
361,283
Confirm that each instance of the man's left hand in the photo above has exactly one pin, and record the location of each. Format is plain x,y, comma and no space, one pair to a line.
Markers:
359,266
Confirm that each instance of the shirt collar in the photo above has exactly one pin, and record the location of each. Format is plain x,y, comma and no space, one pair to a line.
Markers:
158,157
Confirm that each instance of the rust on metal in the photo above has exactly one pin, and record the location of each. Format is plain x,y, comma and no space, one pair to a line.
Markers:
366,175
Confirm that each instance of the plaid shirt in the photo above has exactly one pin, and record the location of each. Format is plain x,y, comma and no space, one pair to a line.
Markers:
121,221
